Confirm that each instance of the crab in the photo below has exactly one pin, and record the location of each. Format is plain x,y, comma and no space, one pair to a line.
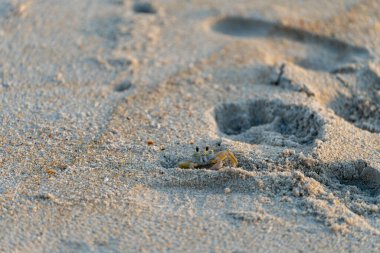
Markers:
208,160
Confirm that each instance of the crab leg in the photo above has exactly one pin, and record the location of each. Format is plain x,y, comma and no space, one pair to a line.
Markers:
223,155
233,159
217,166
187,165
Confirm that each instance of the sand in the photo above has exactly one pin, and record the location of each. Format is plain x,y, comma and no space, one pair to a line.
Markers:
101,99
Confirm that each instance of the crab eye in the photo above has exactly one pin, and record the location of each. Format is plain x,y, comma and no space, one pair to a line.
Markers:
207,148
197,149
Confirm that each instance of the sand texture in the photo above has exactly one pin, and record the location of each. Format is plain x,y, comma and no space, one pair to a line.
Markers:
101,99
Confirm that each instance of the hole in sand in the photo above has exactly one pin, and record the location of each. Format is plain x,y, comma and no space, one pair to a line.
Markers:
268,122
308,50
123,86
145,8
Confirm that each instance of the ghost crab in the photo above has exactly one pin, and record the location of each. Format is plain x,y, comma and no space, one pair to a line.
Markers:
208,160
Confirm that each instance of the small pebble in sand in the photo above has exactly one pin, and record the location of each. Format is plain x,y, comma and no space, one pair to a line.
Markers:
62,167
21,9
51,172
288,152
377,26
227,190
150,142
59,78
296,192
286,199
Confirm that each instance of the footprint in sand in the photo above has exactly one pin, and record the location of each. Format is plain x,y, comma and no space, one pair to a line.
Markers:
318,53
275,123
308,50
269,122
361,106
355,173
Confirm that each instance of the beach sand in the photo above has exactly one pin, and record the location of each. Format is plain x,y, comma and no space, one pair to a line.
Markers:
101,99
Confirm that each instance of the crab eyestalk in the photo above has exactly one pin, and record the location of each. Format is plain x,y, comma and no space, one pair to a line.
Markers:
203,157
197,155
208,154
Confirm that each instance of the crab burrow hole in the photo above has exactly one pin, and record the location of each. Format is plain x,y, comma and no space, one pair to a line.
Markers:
269,122
144,8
